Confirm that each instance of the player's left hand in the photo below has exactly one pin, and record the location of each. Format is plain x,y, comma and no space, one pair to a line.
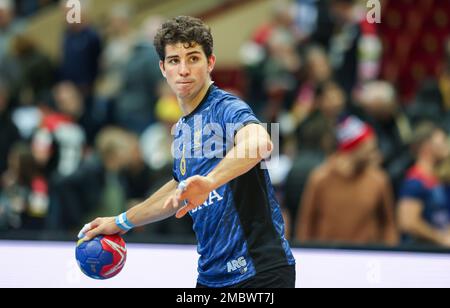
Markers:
196,191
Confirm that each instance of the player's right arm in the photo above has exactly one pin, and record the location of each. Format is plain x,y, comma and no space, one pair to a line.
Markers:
153,209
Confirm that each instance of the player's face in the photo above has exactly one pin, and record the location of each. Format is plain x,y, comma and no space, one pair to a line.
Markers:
440,145
186,69
366,154
333,101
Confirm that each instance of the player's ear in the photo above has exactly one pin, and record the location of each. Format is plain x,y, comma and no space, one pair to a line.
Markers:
162,68
211,63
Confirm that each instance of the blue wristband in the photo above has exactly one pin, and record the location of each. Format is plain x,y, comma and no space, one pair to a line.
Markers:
123,223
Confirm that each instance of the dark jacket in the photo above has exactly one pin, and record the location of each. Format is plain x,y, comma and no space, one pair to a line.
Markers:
9,134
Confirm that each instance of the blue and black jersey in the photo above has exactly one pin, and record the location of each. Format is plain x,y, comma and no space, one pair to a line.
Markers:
240,230
428,190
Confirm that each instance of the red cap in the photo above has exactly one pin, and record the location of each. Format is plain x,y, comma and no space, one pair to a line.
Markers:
351,133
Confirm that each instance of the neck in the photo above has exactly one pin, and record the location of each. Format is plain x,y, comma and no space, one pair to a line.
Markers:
343,165
346,166
188,105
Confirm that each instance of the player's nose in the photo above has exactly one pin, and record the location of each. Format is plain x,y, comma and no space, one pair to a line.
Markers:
183,69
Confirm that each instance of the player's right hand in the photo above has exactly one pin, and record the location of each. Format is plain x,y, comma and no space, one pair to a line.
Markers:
99,226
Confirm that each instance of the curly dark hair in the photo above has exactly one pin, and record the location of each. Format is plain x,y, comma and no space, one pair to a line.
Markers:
186,30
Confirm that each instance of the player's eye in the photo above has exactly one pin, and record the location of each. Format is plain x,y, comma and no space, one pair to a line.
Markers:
194,59
174,61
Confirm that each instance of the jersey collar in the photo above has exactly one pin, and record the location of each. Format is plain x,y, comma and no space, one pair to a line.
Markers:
204,100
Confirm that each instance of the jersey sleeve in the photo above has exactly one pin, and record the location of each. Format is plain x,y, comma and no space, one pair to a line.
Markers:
412,189
236,114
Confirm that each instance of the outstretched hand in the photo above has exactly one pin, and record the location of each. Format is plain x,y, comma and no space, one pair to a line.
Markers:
194,191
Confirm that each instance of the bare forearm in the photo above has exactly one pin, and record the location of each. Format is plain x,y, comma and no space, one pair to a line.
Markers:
252,146
152,209
421,229
229,169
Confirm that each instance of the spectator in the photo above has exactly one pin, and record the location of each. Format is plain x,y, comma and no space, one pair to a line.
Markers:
306,17
10,77
32,80
137,175
317,70
156,140
271,61
355,48
81,45
330,100
282,19
58,144
136,100
324,24
36,71
9,27
329,104
280,71
423,210
316,141
24,194
80,62
444,177
27,118
428,105
432,102
117,51
9,134
349,199
379,104
97,187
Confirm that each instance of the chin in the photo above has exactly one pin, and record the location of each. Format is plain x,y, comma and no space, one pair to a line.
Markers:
184,95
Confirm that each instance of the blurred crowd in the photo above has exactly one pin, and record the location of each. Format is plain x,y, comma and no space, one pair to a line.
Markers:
90,135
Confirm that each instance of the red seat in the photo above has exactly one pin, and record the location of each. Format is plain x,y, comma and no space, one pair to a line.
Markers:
413,34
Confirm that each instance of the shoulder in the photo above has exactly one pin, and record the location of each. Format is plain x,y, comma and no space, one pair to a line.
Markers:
413,184
413,187
229,109
379,176
320,174
224,101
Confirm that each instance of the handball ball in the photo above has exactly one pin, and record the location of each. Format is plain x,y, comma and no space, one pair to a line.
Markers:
103,257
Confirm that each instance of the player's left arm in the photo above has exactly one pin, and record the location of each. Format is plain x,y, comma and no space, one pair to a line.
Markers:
252,145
